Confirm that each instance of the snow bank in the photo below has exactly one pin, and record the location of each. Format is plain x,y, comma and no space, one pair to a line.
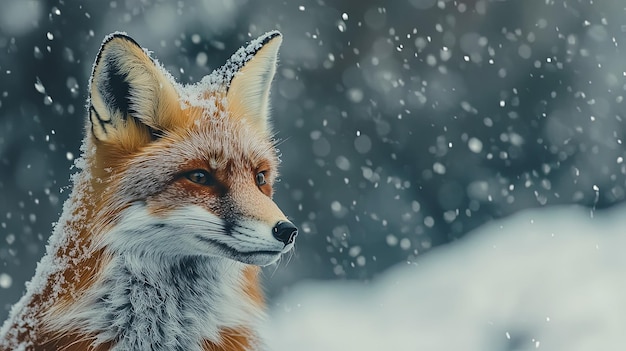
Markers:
552,279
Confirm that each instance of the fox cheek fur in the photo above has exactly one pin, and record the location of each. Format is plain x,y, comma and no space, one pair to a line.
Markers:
160,242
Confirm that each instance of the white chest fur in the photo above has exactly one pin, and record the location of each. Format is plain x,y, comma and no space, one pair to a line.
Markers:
146,304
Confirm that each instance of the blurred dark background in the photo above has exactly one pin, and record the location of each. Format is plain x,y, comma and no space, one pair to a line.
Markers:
405,124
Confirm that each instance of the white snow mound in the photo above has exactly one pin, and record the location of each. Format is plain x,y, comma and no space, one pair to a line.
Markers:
551,279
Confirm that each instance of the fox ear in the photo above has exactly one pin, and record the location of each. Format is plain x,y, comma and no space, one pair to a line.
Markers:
254,68
130,95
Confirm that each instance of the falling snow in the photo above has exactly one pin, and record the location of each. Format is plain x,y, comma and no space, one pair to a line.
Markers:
401,126
498,289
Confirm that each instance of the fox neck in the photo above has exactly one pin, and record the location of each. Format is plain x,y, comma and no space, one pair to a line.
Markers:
182,304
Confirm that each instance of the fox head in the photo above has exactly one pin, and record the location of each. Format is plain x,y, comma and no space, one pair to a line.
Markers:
185,170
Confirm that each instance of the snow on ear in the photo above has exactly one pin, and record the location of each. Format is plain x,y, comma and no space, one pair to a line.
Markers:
131,96
253,69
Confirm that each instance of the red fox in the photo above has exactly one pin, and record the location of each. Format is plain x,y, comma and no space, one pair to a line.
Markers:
171,214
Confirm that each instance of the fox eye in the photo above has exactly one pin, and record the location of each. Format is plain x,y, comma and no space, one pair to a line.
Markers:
201,177
260,178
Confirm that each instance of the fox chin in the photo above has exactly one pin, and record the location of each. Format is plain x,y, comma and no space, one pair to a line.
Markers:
171,213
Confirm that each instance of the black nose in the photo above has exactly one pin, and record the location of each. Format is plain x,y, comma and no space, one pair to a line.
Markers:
285,232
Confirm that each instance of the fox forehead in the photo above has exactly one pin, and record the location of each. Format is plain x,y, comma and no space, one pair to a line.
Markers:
217,144
224,142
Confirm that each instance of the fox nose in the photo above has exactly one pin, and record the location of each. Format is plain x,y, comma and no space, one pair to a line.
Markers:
285,232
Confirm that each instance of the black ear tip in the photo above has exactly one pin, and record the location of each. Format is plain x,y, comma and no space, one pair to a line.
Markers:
269,36
112,38
118,36
273,34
